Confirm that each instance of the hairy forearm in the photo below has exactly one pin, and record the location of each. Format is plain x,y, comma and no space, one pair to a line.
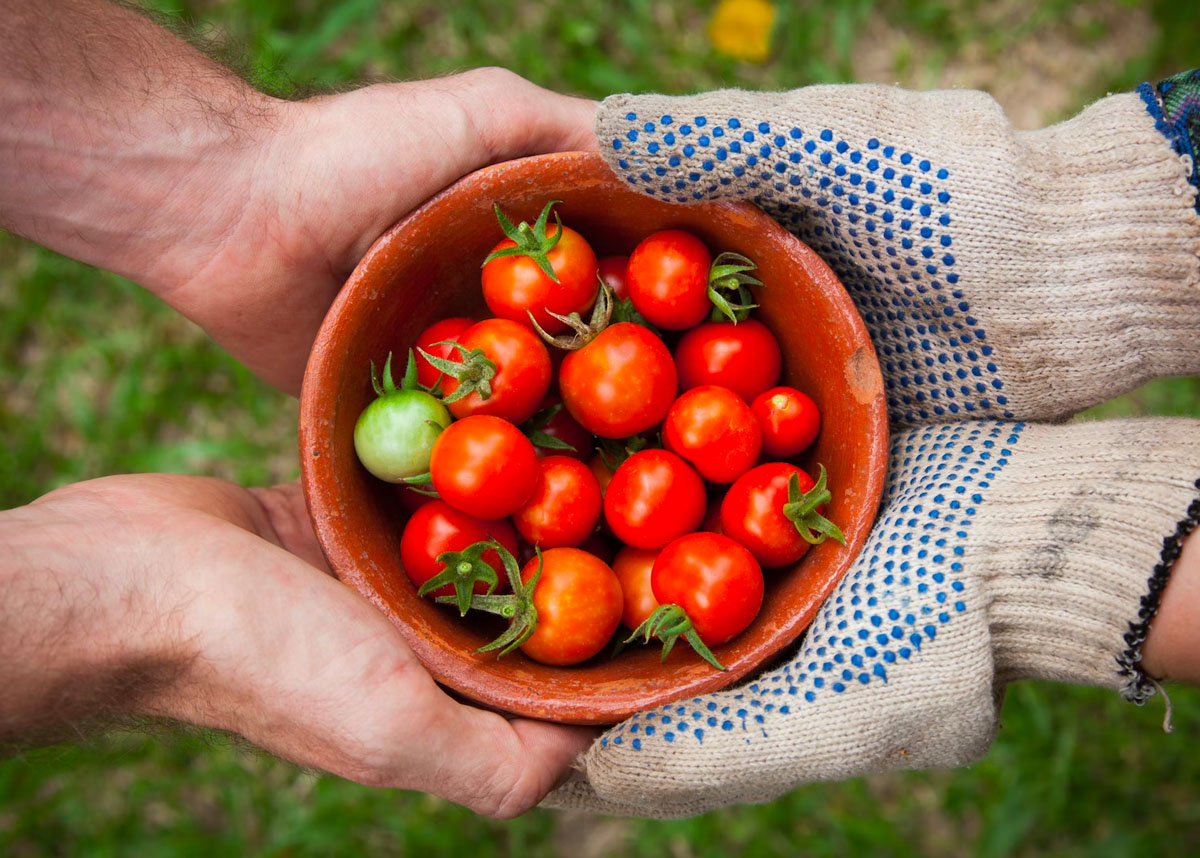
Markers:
80,646
120,144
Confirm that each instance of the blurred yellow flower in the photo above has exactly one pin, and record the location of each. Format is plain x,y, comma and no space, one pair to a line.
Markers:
742,29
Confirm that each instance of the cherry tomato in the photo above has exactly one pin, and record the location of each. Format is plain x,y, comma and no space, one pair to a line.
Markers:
484,466
744,357
522,371
564,507
668,279
444,330
436,528
714,429
513,285
395,434
714,579
621,383
654,497
632,567
560,426
578,601
789,419
753,514
612,271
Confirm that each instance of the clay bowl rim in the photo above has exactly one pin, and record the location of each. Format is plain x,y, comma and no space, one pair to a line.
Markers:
512,688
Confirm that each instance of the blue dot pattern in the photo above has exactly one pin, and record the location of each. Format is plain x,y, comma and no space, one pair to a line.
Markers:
907,584
880,216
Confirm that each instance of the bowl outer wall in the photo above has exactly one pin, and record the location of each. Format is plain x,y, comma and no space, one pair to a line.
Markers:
427,267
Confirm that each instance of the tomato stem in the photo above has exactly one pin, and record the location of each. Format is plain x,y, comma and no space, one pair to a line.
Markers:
461,569
602,312
474,373
614,451
534,426
668,623
530,241
516,607
729,282
801,510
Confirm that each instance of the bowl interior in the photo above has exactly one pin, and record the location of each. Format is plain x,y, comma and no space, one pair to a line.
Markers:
426,268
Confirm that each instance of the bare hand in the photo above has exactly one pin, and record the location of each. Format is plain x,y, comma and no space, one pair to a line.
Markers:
218,587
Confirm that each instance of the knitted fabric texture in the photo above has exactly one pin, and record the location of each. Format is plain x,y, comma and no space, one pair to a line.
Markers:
1175,103
1002,274
1002,551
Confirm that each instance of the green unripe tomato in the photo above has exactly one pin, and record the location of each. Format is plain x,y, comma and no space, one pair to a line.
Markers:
394,435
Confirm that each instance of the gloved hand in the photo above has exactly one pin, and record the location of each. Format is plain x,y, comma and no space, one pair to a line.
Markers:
1004,275
1003,551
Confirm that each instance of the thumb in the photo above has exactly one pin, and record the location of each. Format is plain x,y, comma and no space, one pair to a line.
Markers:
511,117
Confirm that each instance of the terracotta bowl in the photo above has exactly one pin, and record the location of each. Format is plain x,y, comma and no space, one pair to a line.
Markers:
427,267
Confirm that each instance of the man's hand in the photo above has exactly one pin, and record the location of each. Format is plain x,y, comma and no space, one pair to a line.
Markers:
135,152
196,599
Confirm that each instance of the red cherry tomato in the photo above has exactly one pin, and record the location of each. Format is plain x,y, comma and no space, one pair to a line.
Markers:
789,419
668,279
564,507
483,466
744,357
633,567
513,285
654,497
522,371
578,601
715,580
752,513
444,330
612,271
562,427
436,528
621,383
714,429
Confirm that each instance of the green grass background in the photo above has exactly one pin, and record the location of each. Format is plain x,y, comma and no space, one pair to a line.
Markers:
96,377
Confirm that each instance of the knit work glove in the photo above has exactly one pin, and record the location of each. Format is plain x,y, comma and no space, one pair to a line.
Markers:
1003,551
1005,274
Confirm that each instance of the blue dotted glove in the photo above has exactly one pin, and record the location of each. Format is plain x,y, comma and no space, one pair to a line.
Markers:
1003,551
1002,274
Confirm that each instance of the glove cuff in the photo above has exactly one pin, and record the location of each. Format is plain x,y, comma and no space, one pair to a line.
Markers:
1074,569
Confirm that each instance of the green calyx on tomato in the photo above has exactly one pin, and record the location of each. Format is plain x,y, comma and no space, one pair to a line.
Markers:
516,607
668,623
534,429
474,373
624,311
585,332
614,451
462,570
801,510
395,433
531,241
729,282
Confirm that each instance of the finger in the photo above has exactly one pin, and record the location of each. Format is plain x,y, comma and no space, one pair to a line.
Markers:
512,117
493,766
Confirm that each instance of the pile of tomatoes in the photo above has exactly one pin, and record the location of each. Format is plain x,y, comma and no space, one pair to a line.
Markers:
636,461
